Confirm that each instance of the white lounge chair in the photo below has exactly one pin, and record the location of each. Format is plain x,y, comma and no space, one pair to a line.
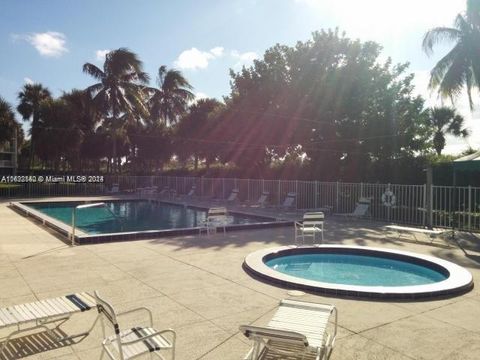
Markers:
39,314
297,330
135,341
362,209
233,196
191,193
165,192
263,199
114,189
217,217
443,234
311,225
289,201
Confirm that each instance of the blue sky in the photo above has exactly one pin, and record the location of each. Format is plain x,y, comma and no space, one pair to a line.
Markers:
49,41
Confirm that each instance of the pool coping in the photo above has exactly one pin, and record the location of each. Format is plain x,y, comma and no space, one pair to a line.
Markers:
458,282
82,237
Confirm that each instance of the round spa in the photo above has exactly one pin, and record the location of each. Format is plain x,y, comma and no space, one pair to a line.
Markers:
360,271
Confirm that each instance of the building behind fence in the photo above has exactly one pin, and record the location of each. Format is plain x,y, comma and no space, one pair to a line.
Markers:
407,204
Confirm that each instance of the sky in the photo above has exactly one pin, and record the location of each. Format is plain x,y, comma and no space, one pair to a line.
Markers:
49,41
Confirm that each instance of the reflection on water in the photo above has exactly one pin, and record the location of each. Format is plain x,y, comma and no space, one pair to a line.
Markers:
125,216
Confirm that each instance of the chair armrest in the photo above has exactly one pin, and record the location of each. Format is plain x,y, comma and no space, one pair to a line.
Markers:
140,309
171,331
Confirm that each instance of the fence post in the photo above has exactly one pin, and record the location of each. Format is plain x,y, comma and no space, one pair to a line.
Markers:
296,194
279,199
223,188
317,184
336,196
424,206
469,207
429,197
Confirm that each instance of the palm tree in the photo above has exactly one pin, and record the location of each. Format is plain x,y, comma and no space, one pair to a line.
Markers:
193,131
461,66
8,125
171,99
31,98
120,90
445,120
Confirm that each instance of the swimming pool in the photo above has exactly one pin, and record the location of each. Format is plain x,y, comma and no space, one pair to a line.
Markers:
360,271
129,219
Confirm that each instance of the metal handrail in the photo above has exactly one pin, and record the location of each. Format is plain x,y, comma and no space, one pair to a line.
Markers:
84,206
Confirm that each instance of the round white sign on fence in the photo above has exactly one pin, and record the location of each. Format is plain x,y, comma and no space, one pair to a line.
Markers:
388,198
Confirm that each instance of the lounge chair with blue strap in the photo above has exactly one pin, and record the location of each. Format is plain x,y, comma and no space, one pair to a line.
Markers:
129,343
298,330
46,314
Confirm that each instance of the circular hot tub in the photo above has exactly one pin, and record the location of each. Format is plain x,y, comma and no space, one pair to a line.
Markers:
360,271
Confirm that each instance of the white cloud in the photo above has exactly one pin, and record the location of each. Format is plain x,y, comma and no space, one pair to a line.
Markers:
100,54
243,59
27,80
194,59
200,95
49,44
217,51
382,19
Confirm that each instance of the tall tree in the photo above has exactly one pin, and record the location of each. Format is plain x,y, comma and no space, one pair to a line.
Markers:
120,89
171,98
331,96
31,98
8,124
194,129
445,120
460,68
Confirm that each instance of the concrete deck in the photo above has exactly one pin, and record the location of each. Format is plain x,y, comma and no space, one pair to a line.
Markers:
196,285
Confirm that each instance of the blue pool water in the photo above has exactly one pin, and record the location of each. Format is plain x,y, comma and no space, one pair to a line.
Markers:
126,216
351,269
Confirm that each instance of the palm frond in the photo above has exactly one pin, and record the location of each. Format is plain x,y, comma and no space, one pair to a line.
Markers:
93,71
437,35
454,78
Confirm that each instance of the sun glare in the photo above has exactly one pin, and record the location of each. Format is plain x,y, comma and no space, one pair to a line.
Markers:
379,18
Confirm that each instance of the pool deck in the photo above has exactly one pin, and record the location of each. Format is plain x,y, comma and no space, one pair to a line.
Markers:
196,285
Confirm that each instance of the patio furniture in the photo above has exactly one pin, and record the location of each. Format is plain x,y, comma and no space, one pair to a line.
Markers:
362,209
191,193
38,314
217,217
311,225
262,200
233,196
115,189
298,330
289,201
412,231
135,341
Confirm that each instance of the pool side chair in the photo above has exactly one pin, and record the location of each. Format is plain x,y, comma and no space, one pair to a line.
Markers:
191,193
263,199
165,191
217,217
311,225
362,209
233,196
129,343
298,330
289,201
38,314
115,189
